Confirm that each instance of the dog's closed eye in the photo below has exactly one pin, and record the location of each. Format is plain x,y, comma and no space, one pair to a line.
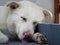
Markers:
35,23
24,19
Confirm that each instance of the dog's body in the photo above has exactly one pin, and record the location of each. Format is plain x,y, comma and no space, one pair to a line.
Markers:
21,17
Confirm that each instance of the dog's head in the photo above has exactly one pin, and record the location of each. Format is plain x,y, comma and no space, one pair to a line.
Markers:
25,18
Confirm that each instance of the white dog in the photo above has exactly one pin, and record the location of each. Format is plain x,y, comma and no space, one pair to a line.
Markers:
17,18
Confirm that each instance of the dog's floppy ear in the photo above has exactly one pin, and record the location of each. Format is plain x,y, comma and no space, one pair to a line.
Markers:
48,16
13,5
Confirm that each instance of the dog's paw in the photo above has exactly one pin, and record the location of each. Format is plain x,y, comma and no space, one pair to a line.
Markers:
39,38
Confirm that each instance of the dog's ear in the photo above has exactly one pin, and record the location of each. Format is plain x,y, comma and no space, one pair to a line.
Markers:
13,5
48,16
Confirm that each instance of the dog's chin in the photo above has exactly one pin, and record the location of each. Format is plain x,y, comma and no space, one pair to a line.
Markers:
20,36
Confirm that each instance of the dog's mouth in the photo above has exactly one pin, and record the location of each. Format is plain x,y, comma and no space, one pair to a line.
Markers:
28,36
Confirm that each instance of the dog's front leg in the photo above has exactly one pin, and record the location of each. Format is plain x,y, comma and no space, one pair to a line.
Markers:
39,38
3,38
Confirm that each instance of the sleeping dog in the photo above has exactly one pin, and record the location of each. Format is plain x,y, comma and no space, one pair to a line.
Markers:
18,18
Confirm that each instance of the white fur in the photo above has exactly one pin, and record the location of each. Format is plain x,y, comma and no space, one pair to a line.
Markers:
11,19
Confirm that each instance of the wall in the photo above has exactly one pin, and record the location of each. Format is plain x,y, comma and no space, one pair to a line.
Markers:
49,4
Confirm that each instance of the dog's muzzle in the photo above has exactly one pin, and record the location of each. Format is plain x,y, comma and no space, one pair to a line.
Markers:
27,34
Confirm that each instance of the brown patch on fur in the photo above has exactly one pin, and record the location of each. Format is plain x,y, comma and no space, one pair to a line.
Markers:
13,5
39,38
